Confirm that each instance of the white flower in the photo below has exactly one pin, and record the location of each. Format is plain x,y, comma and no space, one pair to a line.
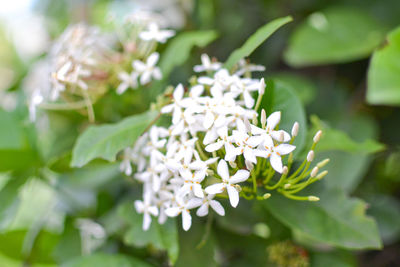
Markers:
126,166
155,33
244,87
226,141
192,183
272,121
147,209
274,153
207,64
179,102
215,205
245,67
128,81
228,182
183,208
148,70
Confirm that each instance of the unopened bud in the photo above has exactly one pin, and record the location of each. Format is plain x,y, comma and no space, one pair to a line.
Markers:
267,195
295,129
247,124
323,163
263,118
286,186
232,164
314,172
310,156
322,175
285,170
313,198
261,88
317,136
255,121
238,188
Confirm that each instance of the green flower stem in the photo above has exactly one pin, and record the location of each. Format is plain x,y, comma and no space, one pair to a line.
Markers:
279,183
254,179
301,198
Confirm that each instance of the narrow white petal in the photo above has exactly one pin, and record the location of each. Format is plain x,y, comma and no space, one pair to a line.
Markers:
240,176
273,120
173,212
152,59
215,205
233,195
284,149
222,170
203,210
198,191
178,92
186,220
248,99
215,188
214,146
146,221
276,162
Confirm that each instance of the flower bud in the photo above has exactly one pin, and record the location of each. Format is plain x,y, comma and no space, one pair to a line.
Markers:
322,175
317,136
255,121
232,164
310,156
261,88
295,129
263,118
286,186
285,170
267,195
314,172
323,163
313,198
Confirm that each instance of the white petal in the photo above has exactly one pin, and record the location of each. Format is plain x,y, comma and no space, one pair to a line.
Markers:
210,136
178,92
193,203
277,135
255,140
167,108
203,210
240,176
145,78
248,99
217,207
173,212
249,155
214,146
233,195
198,191
186,220
177,115
284,149
276,162
139,66
208,120
146,221
153,210
273,120
215,188
157,73
223,170
152,59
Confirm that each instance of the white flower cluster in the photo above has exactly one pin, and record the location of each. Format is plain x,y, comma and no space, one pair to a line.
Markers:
199,155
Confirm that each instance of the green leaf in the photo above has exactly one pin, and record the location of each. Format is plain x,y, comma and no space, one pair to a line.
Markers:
333,139
335,258
256,40
280,96
178,50
386,211
335,35
335,220
384,73
9,200
12,245
11,136
105,141
105,260
163,237
303,87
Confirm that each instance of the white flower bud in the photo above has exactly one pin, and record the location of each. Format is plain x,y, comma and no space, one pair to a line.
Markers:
323,163
322,175
314,172
313,198
295,129
310,156
317,136
285,170
263,118
261,88
247,124
286,186
267,195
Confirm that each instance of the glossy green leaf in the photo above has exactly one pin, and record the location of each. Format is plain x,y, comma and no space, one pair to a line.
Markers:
163,237
256,40
335,35
334,259
386,211
106,260
179,48
105,141
335,220
384,73
333,139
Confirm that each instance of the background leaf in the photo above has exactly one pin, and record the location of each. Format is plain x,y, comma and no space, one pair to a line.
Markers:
106,260
256,40
334,35
105,141
335,220
384,73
